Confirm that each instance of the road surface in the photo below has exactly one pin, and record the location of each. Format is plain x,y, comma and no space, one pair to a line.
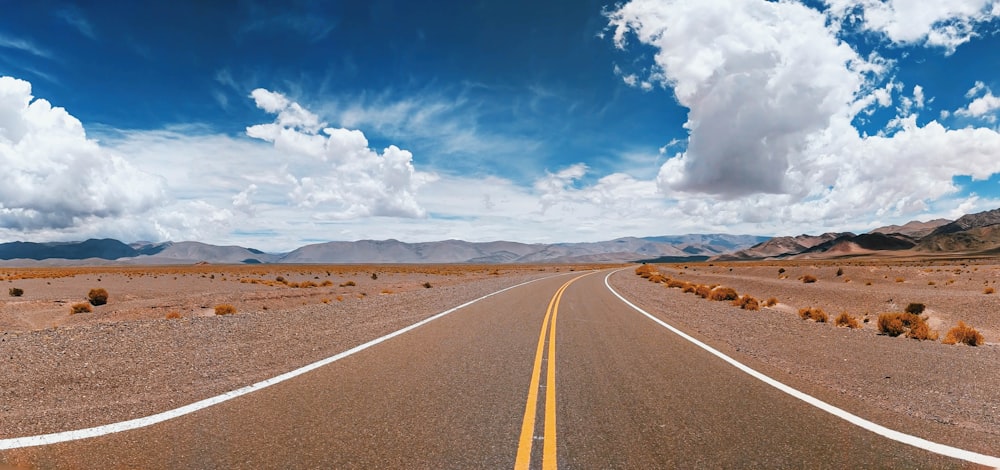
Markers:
478,388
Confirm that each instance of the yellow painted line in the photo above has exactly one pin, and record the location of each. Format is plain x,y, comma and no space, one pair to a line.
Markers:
523,460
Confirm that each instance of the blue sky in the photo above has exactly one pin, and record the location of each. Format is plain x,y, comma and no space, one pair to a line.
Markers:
273,125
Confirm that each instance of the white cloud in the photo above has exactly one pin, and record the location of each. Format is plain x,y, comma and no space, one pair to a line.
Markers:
758,78
345,178
983,106
54,177
946,24
772,94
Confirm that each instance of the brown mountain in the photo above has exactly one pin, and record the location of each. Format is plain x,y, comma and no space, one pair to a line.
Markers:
779,247
915,228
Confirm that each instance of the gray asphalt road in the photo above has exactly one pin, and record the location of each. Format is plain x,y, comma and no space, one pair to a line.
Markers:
454,394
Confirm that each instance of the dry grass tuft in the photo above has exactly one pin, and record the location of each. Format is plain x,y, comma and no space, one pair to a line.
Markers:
808,279
895,324
722,294
703,291
348,284
845,319
173,315
915,308
645,271
15,292
988,290
427,285
340,298
97,297
771,302
677,284
687,287
747,303
657,278
225,309
81,307
814,314
964,334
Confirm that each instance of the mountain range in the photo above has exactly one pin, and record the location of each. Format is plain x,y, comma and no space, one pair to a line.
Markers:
973,234
109,251
969,235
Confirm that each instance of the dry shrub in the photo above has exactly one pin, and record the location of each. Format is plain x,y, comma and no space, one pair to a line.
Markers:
674,283
814,314
931,283
915,308
724,293
340,298
81,307
808,279
348,284
840,272
747,303
307,285
964,334
644,271
899,279
703,291
97,297
687,287
988,290
386,291
657,278
427,285
771,302
326,283
15,292
845,319
173,315
225,309
325,300
895,324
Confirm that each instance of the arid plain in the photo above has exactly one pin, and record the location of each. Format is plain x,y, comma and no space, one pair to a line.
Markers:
158,344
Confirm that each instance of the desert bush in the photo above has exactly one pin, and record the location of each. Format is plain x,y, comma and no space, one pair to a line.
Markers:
895,324
348,284
845,319
374,276
988,290
15,292
922,331
899,279
173,315
814,314
771,302
657,278
687,287
225,309
644,271
723,294
915,308
280,279
325,300
326,283
427,285
340,298
808,279
703,291
678,284
840,272
307,284
964,334
747,303
97,296
781,270
81,307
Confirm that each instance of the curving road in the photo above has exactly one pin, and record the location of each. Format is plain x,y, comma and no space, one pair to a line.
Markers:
559,373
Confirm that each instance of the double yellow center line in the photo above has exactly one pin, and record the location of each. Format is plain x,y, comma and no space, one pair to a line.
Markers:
523,460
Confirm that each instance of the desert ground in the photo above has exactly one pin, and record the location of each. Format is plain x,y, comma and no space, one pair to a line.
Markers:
157,343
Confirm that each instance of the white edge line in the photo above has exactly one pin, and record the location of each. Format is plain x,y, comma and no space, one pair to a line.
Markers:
897,436
54,438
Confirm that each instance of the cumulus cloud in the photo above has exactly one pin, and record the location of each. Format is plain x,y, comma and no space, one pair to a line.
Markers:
773,95
983,106
343,177
54,177
940,24
758,78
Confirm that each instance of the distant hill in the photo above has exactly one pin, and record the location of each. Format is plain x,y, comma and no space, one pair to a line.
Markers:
682,247
972,234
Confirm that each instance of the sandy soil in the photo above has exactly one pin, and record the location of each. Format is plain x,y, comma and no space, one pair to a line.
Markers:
126,359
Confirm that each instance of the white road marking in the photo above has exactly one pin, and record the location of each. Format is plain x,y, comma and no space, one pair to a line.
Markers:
45,439
883,431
